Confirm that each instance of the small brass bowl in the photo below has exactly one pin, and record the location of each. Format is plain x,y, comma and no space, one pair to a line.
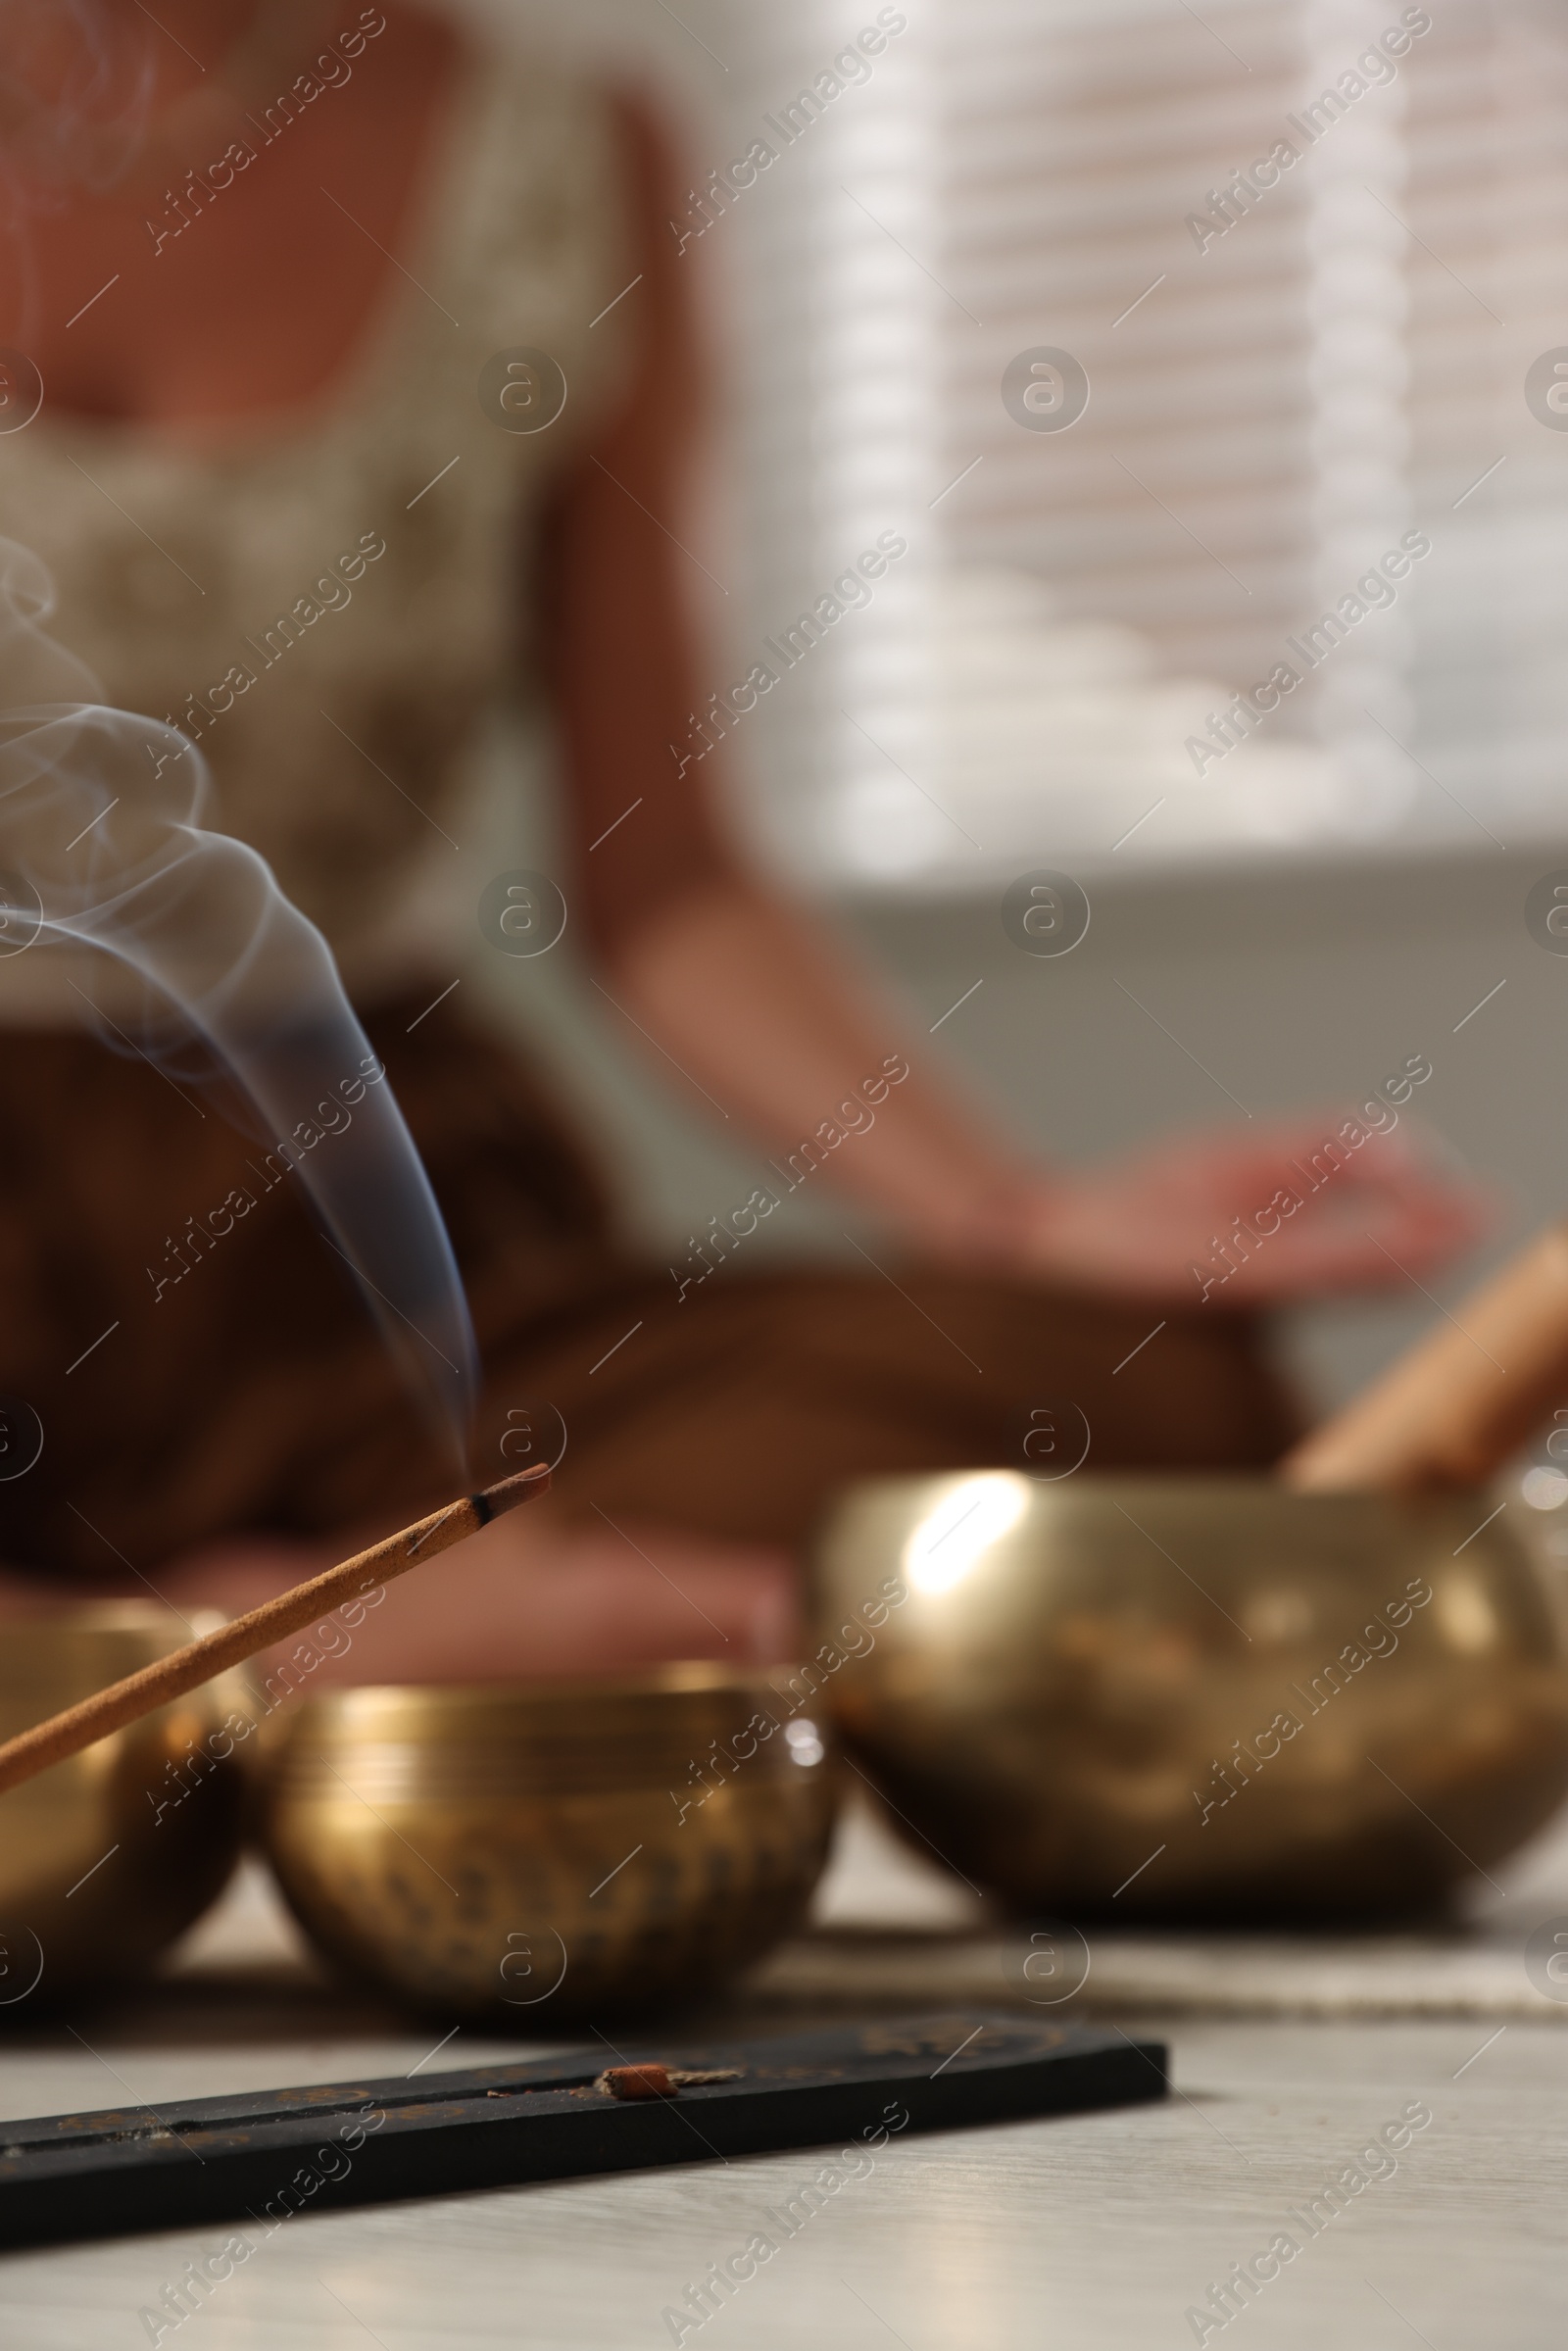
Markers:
1194,1697
108,1856
524,1853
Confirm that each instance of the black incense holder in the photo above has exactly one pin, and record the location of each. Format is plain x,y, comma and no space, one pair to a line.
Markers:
259,2159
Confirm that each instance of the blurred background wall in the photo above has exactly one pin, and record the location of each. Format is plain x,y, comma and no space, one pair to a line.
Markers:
1286,376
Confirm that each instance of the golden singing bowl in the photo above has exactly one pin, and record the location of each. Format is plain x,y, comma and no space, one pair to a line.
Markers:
524,1853
1171,1698
106,1857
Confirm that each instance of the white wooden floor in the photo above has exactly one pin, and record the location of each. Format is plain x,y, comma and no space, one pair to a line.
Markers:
1096,2231
1099,2231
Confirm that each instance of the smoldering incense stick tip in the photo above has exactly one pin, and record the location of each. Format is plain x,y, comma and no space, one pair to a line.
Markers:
496,1500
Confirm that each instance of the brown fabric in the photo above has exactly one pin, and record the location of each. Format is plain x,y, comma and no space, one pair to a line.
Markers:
255,1395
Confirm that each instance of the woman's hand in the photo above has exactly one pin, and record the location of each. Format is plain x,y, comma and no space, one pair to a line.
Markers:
1246,1219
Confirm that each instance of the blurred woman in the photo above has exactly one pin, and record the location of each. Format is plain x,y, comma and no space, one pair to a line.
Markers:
305,287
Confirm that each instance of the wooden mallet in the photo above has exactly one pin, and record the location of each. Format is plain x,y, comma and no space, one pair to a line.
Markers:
1462,1400
66,1734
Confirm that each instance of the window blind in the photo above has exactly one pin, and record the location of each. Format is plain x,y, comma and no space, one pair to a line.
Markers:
1306,254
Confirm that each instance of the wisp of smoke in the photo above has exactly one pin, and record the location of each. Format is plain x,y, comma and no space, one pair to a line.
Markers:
100,844
77,81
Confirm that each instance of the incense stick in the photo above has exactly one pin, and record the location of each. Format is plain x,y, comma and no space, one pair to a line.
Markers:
77,1726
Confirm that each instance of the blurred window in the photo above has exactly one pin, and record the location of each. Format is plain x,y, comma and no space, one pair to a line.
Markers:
1324,429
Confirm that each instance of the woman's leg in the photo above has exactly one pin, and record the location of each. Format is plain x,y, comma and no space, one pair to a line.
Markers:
705,1425
691,1476
529,1597
739,1412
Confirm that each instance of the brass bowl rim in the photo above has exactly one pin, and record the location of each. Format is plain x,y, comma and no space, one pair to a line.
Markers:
448,1702
1199,1483
674,1677
1234,1499
103,1615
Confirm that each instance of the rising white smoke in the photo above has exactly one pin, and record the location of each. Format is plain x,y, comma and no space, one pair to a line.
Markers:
101,844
